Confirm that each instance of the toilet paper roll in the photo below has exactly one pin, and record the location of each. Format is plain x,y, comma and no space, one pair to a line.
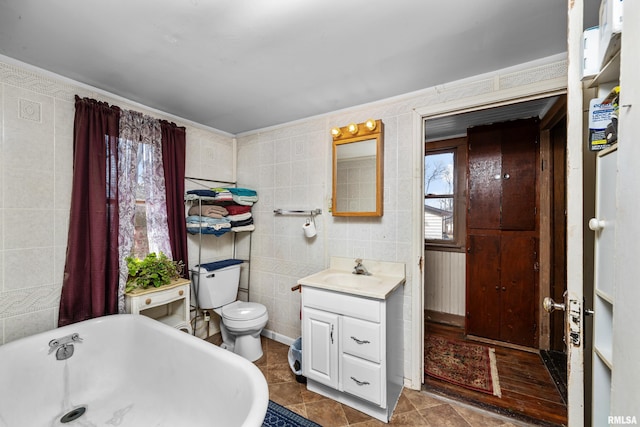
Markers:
309,229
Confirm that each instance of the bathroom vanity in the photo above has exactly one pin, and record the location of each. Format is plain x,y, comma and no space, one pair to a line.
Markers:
352,335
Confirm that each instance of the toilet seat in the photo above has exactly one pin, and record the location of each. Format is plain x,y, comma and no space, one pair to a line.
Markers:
240,310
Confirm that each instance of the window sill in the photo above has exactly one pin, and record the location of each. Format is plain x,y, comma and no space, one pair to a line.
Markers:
443,247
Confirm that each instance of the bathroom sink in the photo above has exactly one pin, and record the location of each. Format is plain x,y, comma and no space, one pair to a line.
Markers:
384,279
351,280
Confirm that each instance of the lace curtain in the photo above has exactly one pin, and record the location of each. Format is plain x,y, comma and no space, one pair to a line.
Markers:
141,176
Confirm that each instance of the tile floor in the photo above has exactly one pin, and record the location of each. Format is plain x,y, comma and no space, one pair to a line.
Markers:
415,408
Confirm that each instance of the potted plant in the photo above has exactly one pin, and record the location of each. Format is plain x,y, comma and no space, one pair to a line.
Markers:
154,270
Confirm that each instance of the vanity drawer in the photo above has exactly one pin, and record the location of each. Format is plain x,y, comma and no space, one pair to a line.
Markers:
362,378
361,338
342,303
162,297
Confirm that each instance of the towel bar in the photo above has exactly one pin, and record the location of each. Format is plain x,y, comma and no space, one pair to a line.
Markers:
293,212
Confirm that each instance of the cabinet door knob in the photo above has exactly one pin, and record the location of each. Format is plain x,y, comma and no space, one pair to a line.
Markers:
181,292
147,301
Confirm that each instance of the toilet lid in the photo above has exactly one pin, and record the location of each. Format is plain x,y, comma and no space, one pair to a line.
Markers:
243,311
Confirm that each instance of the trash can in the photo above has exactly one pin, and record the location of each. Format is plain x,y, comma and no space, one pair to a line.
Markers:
295,360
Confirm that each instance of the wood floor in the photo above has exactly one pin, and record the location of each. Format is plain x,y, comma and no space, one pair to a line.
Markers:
528,391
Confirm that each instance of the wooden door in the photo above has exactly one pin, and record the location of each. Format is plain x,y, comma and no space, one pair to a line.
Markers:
518,288
483,285
502,162
502,227
485,182
519,166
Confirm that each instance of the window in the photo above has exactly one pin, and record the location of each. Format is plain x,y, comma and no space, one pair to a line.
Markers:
140,247
444,193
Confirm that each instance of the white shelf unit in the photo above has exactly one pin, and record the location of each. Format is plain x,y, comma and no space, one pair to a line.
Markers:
192,199
604,281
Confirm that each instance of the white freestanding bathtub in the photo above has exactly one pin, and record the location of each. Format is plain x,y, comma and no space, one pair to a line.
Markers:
126,370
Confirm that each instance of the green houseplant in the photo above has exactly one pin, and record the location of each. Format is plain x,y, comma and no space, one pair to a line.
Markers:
154,270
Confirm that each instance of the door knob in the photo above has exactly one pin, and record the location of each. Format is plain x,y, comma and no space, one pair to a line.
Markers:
596,224
550,305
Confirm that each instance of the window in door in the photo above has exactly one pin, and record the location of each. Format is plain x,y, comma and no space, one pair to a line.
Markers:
444,194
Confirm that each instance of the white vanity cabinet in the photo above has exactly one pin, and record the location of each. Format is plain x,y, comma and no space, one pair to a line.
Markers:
352,348
168,304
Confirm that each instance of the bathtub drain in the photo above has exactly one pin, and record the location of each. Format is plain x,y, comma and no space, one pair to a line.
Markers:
74,414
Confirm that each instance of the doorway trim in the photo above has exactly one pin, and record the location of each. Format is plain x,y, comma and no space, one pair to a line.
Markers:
496,97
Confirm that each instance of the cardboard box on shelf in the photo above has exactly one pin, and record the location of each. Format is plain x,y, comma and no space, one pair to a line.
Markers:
610,30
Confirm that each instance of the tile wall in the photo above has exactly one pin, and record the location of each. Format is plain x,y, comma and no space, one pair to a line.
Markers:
36,147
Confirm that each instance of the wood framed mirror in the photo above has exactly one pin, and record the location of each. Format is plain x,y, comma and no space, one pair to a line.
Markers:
358,159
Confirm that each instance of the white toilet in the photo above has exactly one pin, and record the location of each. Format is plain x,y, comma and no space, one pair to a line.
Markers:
240,322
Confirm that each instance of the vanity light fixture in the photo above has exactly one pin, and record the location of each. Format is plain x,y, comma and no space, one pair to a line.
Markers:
370,124
356,130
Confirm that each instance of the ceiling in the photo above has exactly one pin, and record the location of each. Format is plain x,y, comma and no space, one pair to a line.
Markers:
457,124
242,65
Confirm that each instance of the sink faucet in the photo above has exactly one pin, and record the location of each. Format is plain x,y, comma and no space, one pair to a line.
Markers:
359,268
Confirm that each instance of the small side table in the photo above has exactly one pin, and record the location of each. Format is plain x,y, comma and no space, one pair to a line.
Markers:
169,304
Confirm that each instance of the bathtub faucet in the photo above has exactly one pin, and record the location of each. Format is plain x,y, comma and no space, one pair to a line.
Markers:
359,268
64,346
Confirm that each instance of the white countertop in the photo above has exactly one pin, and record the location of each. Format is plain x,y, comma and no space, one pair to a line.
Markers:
384,279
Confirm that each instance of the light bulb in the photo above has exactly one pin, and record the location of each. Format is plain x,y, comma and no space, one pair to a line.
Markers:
353,128
370,124
336,132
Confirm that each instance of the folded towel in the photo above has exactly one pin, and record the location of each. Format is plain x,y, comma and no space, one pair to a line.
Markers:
205,219
241,191
224,197
237,209
244,200
249,227
241,223
239,217
205,226
197,230
213,211
208,193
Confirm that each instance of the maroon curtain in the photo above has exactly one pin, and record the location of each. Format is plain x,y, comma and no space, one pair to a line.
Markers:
90,283
174,146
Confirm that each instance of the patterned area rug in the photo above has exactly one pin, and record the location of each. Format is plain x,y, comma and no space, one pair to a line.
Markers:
279,416
468,365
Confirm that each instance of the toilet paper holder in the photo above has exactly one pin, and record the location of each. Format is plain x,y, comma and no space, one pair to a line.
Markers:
311,214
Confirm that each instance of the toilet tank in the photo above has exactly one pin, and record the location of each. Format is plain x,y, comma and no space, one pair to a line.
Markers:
216,283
